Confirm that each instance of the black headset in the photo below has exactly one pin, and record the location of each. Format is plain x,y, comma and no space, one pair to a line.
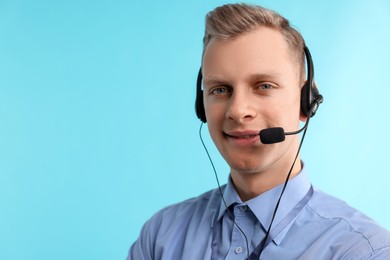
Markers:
310,97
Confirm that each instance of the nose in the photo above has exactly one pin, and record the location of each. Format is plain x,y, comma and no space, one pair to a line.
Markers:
240,107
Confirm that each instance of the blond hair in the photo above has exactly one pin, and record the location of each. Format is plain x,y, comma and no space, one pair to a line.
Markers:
231,20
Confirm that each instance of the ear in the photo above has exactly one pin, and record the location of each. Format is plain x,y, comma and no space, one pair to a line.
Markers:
302,117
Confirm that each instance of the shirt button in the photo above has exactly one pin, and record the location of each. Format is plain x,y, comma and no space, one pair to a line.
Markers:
238,250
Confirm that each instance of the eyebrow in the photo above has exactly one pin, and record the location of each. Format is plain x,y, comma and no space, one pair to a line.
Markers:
213,81
264,76
253,77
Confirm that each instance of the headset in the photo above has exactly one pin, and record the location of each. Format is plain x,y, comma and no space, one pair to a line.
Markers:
310,97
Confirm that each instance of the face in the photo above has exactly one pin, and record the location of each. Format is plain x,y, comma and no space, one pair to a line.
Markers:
251,83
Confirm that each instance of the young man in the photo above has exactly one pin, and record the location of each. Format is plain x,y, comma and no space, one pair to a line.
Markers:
253,71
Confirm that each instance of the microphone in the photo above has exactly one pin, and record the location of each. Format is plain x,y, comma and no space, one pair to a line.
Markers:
275,135
272,135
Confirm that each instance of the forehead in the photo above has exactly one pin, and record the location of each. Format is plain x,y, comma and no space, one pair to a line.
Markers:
261,51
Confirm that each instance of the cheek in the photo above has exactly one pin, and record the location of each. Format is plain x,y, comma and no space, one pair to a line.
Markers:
216,135
291,109
214,123
214,113
283,111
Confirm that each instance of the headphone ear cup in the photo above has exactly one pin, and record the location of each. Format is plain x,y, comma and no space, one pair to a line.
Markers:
305,99
199,106
310,100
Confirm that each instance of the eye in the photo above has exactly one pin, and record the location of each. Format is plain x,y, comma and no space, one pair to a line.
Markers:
265,87
220,91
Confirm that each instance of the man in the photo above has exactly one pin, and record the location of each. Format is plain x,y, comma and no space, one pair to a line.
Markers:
254,75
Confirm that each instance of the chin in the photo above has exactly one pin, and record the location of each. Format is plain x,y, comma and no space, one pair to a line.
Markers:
250,162
247,166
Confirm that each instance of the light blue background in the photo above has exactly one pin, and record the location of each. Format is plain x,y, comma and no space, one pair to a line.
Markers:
97,123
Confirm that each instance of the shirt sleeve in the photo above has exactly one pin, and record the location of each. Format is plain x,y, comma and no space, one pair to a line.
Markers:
135,252
143,247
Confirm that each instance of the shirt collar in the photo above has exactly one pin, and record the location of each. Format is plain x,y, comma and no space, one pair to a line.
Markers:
263,205
230,197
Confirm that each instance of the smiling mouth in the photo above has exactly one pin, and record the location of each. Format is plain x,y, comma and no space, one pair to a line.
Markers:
244,138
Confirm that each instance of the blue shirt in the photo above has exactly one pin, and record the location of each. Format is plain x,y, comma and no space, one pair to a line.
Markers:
202,228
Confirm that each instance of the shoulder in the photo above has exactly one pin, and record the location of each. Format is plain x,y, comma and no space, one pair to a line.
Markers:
205,202
173,224
356,233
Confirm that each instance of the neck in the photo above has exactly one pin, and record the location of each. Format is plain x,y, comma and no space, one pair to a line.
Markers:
250,185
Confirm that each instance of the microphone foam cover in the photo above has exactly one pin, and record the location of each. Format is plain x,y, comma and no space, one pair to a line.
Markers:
272,135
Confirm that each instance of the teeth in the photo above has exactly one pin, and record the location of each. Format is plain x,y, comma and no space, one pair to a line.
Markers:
243,136
246,136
